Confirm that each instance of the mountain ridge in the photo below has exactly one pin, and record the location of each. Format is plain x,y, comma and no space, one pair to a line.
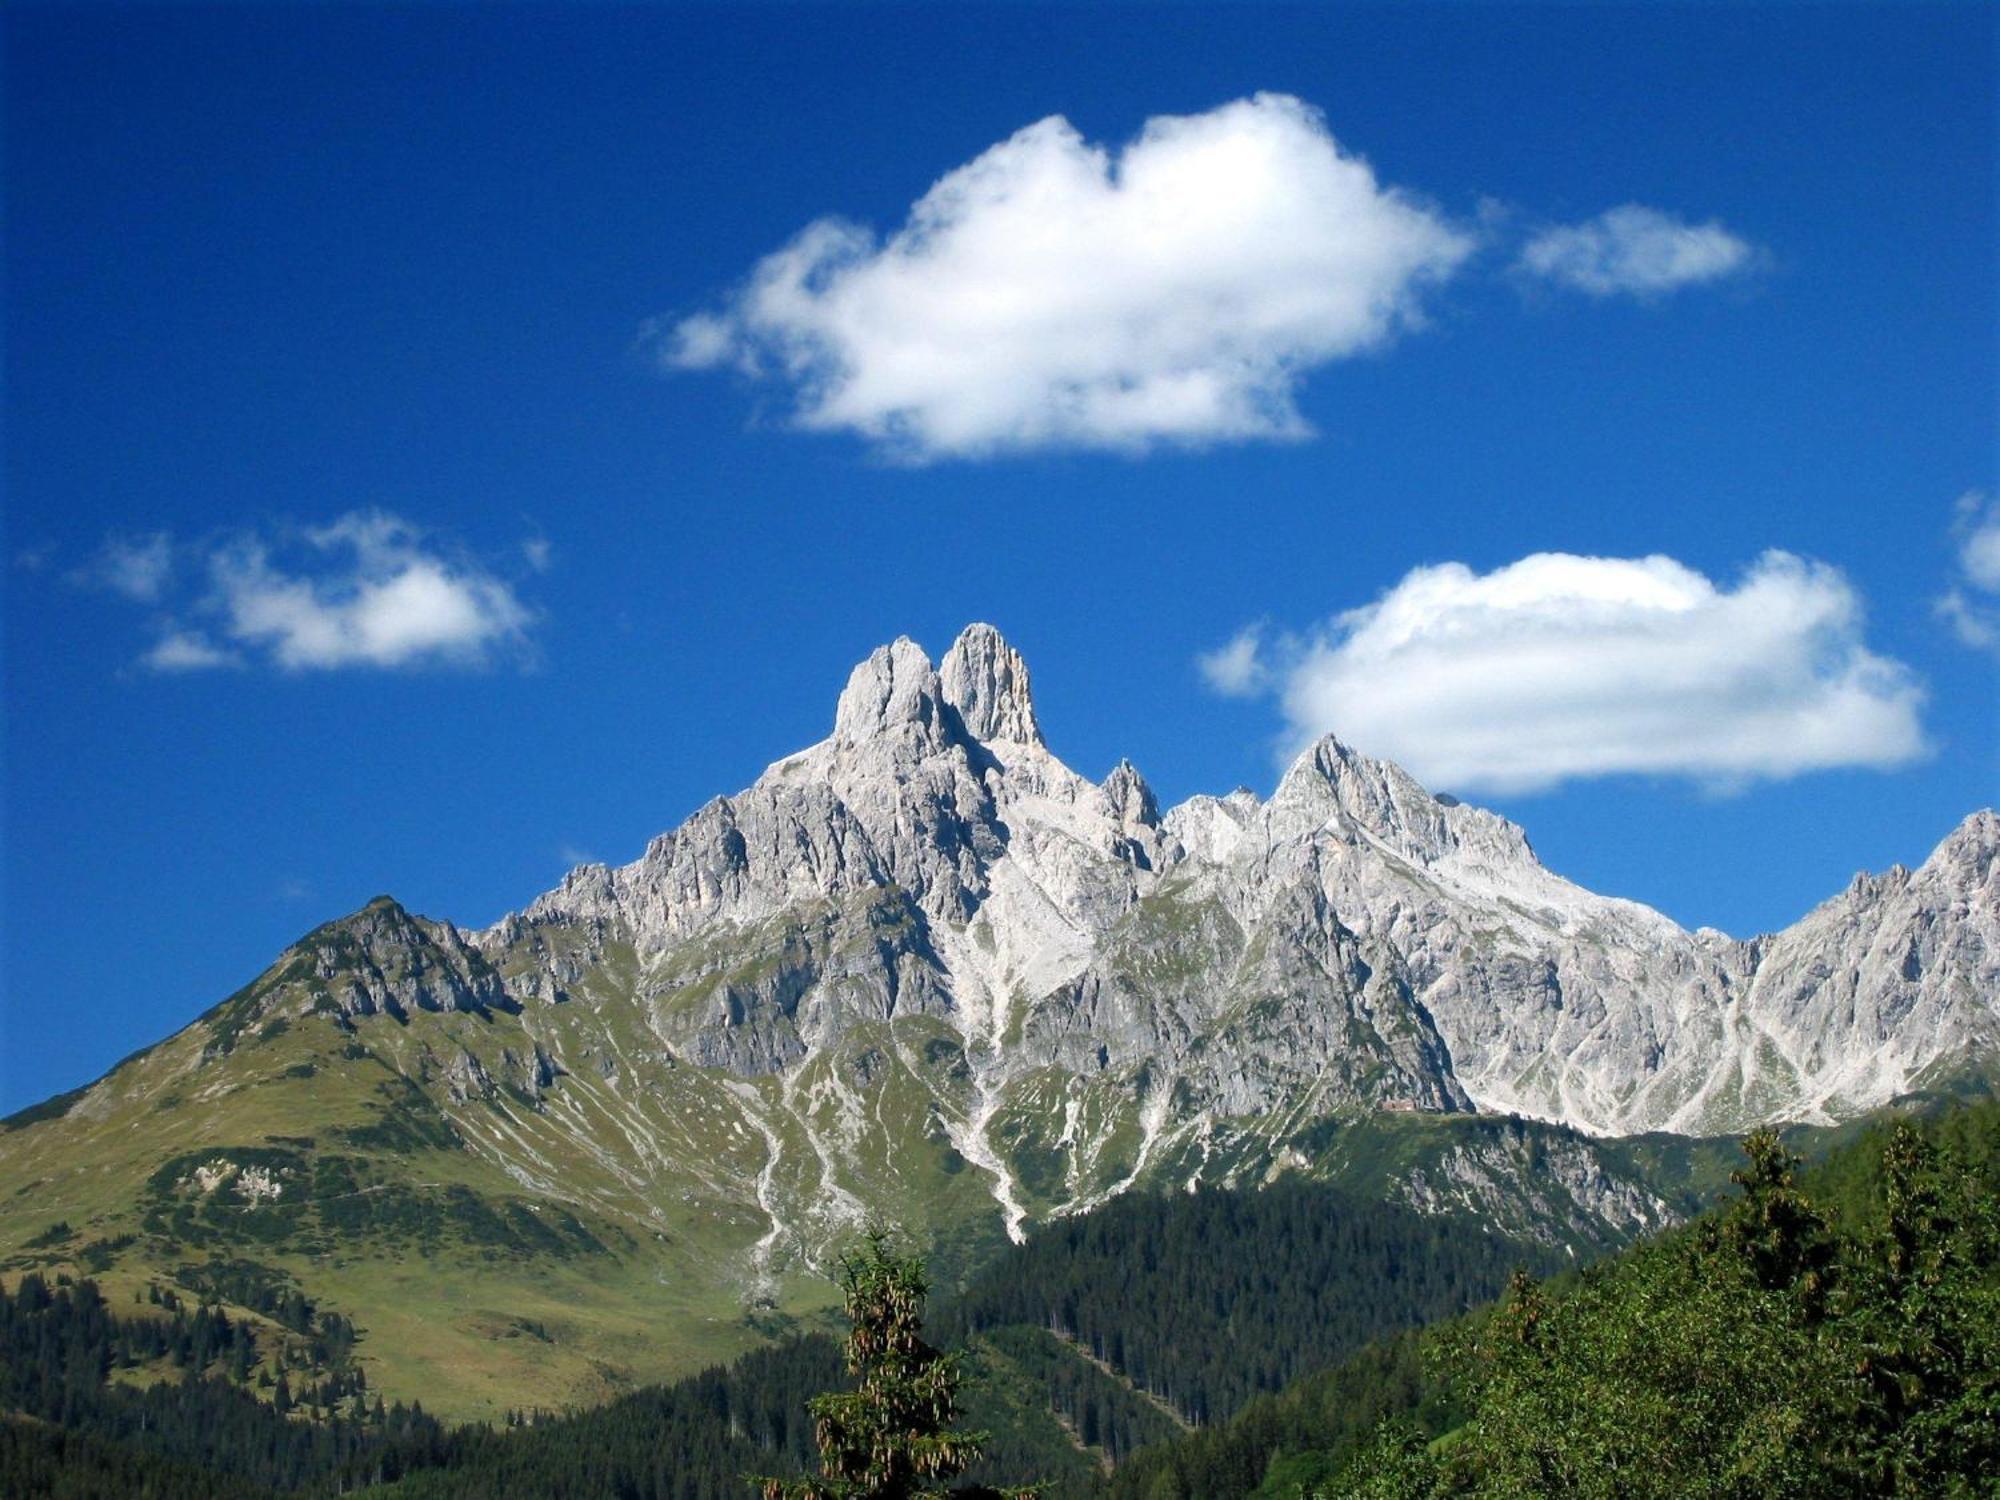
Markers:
924,970
1330,789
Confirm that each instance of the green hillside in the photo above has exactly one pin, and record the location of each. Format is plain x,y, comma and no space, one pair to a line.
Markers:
322,1156
550,1209
1837,1335
1270,1283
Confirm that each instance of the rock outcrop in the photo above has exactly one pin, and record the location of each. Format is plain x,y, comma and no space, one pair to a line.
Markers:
925,940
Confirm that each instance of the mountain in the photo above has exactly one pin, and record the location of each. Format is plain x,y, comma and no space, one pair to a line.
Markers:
924,970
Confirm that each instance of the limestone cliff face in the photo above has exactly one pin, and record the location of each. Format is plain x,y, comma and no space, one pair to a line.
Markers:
925,940
1354,930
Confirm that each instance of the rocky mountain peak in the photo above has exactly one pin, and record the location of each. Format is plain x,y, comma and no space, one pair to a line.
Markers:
384,959
1973,847
896,688
933,857
986,681
1338,783
384,922
1963,869
1130,796
1384,802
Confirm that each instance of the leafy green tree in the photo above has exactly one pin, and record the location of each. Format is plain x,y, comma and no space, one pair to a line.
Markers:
892,1438
1685,1368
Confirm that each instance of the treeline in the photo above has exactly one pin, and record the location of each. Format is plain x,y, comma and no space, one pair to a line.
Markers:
52,1463
1833,1335
1098,1409
696,1439
69,1426
61,1347
693,1440
263,1290
1207,1299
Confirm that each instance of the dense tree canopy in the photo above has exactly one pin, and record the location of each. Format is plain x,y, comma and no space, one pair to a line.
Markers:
1832,1336
1206,1299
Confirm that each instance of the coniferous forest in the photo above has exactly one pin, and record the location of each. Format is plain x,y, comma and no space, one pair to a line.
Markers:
1833,1331
1206,1299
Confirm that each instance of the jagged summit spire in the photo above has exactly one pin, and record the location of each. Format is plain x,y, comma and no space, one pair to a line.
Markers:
1131,796
985,679
895,686
982,681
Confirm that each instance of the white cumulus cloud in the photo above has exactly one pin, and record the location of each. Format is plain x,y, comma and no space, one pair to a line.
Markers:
1637,250
1971,606
372,594
1052,293
1236,669
368,590
1560,667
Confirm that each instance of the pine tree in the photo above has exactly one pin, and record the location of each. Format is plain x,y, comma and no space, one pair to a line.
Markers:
1782,1239
892,1438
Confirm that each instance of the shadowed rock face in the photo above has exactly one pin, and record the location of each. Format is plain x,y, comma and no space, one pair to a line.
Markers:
925,944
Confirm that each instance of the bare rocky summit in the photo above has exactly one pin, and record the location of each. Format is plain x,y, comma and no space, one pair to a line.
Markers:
924,969
1121,988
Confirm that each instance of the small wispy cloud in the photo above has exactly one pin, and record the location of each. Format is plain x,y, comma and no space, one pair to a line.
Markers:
1236,669
1560,667
35,558
138,568
1971,605
187,651
369,590
1635,251
1052,293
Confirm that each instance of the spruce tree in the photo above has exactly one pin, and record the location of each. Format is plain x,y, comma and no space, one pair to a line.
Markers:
1781,1238
892,1438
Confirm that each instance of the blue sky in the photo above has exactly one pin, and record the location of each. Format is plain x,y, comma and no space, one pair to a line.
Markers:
360,537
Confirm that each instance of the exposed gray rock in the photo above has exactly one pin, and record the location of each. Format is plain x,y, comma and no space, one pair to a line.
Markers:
986,683
1354,934
382,960
1071,980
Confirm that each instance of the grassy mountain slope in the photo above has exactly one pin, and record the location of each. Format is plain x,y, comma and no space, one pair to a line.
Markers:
376,1123
1192,1301
335,1155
